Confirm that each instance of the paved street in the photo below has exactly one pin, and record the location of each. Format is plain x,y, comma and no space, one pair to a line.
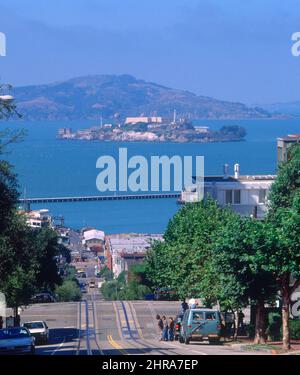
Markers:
97,327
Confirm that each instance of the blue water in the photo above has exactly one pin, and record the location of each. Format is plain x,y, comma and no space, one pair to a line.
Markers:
50,167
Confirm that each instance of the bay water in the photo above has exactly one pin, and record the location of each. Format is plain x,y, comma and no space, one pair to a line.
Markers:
49,167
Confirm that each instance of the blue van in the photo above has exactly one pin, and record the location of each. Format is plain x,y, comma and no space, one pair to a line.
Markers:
200,324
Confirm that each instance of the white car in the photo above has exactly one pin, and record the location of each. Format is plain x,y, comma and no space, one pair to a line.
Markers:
39,330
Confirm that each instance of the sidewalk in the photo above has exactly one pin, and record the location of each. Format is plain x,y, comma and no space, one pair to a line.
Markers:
274,347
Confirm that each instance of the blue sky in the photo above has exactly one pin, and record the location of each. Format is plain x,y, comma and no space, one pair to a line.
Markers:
232,50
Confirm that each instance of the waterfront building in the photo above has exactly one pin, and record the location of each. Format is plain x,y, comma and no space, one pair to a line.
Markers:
246,194
39,218
283,144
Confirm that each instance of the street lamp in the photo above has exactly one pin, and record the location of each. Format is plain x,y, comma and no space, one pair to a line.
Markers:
6,98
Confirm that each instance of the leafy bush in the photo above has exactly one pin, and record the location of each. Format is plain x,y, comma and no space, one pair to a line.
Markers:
106,273
68,291
110,290
274,325
274,330
250,330
295,328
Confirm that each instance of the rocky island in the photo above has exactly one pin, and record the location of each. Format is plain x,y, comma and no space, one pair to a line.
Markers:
154,129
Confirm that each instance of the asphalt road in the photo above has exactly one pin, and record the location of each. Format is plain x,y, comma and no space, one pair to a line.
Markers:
97,327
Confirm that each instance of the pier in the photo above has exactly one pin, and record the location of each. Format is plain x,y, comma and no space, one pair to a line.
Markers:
94,198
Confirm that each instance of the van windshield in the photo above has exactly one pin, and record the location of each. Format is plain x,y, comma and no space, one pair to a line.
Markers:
197,316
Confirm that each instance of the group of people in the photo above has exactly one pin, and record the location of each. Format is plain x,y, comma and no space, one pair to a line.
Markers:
166,328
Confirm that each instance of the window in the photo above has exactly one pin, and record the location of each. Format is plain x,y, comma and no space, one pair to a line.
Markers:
210,316
228,196
197,316
262,196
237,197
232,196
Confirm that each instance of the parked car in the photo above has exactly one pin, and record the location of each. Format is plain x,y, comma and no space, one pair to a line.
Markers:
200,324
39,330
178,321
43,298
17,340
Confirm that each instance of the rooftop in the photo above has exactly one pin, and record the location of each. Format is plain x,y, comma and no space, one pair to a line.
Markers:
241,178
290,138
94,234
134,244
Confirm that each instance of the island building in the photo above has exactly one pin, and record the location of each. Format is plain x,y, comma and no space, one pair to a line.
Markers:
65,133
124,250
144,119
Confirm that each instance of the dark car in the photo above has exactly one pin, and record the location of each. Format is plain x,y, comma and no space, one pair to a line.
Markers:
17,340
43,298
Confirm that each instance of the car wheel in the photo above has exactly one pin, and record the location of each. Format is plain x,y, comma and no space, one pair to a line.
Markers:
186,341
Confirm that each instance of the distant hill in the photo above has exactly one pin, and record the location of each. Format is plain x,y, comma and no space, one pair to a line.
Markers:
290,108
90,97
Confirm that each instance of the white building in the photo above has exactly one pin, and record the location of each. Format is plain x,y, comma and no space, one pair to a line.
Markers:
126,250
93,237
146,120
246,194
39,218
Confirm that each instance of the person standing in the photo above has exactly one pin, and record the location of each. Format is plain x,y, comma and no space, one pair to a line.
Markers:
171,329
160,326
165,329
241,317
184,306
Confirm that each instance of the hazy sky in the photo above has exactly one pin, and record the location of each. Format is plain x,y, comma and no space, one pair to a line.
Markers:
229,49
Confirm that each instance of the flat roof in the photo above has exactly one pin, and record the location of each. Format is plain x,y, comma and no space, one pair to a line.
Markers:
240,178
290,138
133,244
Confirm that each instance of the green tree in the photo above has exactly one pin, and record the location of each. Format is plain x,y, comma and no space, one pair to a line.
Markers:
239,269
111,290
283,258
27,256
18,269
106,273
47,249
181,262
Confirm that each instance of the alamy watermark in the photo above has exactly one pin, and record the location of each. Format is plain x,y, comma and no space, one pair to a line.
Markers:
160,174
296,46
2,44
